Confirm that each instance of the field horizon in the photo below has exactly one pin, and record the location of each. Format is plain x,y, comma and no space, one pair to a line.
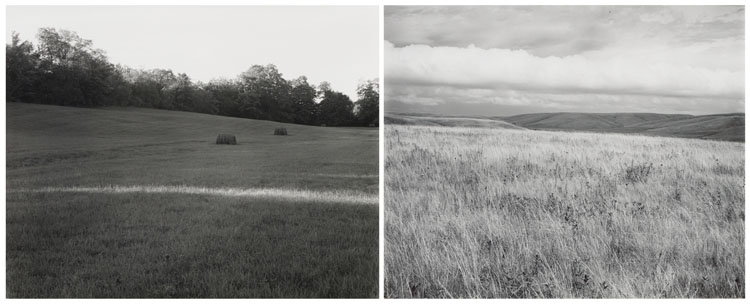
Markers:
724,126
125,202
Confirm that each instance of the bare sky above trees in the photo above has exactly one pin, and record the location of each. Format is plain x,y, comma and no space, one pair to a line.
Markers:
335,44
510,60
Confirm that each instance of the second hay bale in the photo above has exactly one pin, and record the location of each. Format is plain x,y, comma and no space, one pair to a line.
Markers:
280,131
226,139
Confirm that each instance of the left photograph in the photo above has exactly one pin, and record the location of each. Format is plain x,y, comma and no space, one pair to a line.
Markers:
192,152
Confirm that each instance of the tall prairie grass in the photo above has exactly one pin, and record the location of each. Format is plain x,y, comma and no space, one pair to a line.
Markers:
472,213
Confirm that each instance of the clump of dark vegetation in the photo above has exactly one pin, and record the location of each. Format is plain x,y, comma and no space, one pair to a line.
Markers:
226,139
638,173
280,131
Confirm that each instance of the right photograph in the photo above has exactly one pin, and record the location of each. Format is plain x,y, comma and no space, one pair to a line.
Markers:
564,152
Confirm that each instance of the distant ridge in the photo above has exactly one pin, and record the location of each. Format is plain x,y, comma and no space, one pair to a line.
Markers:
426,120
728,127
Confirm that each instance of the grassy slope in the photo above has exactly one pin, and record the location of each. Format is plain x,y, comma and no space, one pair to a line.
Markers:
400,119
723,127
504,213
137,146
180,245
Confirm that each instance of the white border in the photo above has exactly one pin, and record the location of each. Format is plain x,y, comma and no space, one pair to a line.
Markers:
370,2
381,134
381,163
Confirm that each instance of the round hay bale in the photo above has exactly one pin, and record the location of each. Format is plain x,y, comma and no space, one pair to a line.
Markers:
280,131
226,139
322,125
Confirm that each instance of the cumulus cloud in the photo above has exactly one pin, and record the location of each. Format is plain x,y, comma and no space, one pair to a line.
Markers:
557,30
669,60
598,72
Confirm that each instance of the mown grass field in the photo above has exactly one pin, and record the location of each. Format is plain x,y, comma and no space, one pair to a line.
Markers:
321,240
501,213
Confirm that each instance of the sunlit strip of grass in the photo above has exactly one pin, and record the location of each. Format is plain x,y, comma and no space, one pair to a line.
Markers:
277,193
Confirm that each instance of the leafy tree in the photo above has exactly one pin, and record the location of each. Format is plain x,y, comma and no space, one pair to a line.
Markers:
266,93
323,88
302,96
335,109
181,91
153,88
227,95
74,73
21,64
204,101
367,107
122,92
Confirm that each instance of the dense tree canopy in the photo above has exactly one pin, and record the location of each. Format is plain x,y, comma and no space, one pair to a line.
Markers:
336,109
65,69
302,97
21,70
366,108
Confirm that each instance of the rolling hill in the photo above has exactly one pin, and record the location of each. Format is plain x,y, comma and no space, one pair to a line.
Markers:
729,127
133,202
469,122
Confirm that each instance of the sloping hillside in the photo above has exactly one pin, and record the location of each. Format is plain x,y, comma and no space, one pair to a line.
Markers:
132,202
729,127
76,128
133,146
399,119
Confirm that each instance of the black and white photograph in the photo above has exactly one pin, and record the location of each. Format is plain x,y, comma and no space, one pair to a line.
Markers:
192,151
564,151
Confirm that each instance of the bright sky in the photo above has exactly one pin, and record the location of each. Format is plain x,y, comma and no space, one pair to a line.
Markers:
335,44
510,60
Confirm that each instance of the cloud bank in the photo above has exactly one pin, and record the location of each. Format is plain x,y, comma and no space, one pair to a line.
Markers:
669,60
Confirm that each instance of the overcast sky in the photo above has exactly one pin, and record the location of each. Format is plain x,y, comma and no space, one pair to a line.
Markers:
510,60
335,44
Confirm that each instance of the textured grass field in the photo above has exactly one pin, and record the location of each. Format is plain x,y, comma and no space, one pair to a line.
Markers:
124,202
466,122
498,213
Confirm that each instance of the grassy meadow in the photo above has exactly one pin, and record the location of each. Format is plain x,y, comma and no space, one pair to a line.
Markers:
503,213
467,122
127,202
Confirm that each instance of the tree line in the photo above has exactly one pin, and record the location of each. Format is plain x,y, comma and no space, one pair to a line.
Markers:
65,69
